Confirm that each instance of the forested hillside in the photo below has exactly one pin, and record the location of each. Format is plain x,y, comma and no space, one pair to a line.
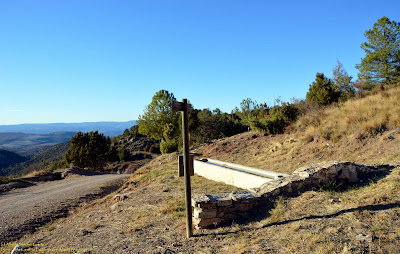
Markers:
7,159
29,144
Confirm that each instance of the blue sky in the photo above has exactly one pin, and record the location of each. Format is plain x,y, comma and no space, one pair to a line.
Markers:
83,61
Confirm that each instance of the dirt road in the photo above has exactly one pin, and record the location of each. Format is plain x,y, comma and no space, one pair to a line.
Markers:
24,210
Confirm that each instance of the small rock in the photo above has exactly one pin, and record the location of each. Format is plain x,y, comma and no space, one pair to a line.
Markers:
364,238
115,206
335,200
120,197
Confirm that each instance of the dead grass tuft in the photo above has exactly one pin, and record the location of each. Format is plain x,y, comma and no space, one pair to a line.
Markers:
277,214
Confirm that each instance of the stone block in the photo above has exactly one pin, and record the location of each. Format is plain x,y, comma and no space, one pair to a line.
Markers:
218,196
243,195
248,201
199,199
204,213
230,217
224,202
206,223
207,205
243,207
348,175
228,209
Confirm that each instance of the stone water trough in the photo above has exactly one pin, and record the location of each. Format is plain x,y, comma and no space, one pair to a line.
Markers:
264,186
234,174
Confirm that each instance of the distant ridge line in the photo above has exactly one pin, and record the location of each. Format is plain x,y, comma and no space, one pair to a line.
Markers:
108,128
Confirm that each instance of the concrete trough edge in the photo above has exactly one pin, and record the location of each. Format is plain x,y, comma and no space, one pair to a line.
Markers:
228,175
254,171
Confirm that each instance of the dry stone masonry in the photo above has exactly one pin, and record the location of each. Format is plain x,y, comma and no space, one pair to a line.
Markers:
211,210
215,209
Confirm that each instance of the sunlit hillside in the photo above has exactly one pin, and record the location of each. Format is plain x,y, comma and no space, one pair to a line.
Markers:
325,220
355,119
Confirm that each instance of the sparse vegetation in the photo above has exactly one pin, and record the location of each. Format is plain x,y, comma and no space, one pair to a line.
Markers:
5,180
354,119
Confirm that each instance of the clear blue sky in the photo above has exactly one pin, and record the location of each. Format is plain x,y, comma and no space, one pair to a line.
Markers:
82,61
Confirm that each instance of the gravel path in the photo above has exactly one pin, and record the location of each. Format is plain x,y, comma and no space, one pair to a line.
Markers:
24,210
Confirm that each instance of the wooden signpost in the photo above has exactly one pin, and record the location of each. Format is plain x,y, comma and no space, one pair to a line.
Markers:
186,162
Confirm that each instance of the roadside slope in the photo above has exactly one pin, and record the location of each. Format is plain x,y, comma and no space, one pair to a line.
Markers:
26,209
147,216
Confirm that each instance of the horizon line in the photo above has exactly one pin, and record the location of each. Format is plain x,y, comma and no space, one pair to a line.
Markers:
70,122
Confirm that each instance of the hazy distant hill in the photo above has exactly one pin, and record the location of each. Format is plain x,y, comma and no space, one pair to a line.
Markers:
8,158
23,143
107,128
13,164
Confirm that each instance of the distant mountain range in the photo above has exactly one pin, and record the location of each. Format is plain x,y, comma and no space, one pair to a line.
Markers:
107,128
27,144
26,139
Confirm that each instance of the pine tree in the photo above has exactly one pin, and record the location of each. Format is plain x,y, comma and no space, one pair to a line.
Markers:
322,91
381,64
157,115
342,83
88,150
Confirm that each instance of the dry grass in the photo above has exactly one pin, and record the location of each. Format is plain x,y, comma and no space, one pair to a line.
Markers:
37,173
152,219
326,220
357,119
312,223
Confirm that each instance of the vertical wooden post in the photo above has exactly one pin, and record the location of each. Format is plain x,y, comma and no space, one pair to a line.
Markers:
188,191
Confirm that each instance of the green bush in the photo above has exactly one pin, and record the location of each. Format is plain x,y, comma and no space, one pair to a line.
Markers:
322,91
90,149
154,149
275,123
124,155
168,146
169,142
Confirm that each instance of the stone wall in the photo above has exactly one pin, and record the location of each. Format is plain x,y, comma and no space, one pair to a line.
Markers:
215,209
211,210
